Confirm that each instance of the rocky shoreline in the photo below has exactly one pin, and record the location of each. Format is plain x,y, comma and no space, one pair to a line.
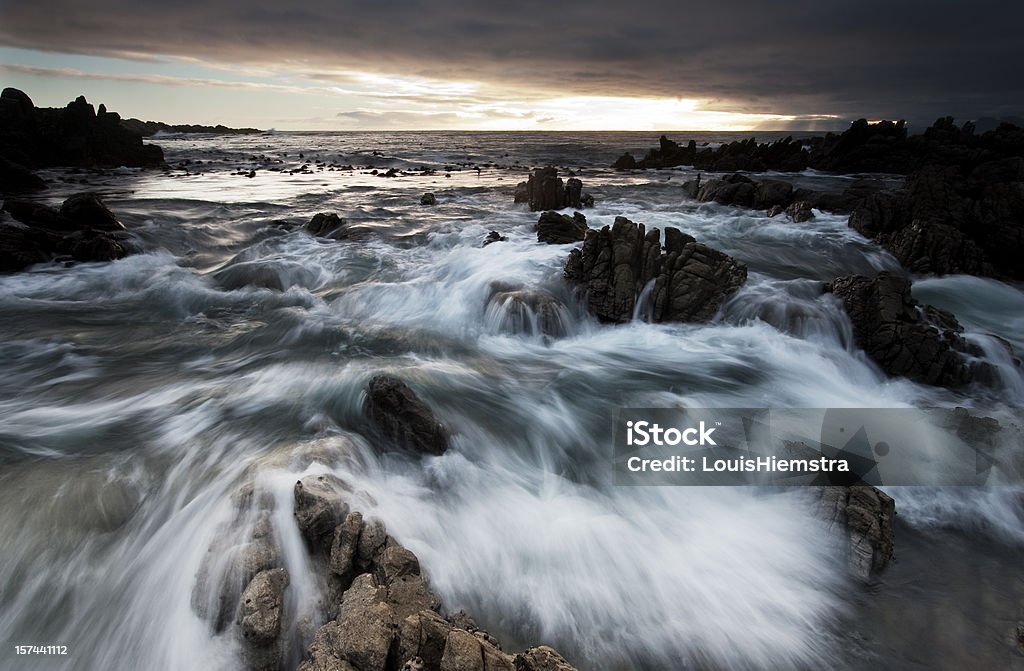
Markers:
960,210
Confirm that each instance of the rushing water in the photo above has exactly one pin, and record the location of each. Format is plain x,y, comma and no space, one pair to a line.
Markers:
138,396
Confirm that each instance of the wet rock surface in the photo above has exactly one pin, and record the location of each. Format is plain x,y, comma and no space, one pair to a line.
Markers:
617,263
545,190
867,517
83,229
904,338
402,418
561,229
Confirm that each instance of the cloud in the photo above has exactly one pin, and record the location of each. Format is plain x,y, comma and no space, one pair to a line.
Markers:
879,59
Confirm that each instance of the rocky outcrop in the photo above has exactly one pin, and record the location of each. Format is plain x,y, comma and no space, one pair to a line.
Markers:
904,338
784,155
866,516
953,219
402,418
799,211
388,618
327,225
77,135
561,229
148,128
544,190
83,229
616,264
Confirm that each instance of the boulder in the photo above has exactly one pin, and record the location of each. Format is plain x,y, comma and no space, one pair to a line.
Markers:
16,178
262,604
86,210
428,199
519,311
800,211
542,658
402,418
328,225
734,189
561,229
772,192
319,508
904,338
616,264
573,192
867,517
494,236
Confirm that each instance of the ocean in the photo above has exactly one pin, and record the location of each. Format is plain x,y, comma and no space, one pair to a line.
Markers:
140,395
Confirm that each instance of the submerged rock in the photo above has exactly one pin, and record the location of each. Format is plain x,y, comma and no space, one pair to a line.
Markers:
428,199
494,236
616,264
561,229
530,312
904,338
403,418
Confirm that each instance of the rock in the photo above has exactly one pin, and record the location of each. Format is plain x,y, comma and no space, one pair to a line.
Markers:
462,652
528,312
544,190
327,225
72,136
734,189
345,545
402,418
319,508
396,562
423,635
615,264
494,236
261,613
16,178
800,211
772,192
561,229
45,233
542,658
366,625
868,516
775,210
902,337
261,607
86,210
625,162
428,199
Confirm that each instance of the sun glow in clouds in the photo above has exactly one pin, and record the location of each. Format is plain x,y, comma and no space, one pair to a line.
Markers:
293,96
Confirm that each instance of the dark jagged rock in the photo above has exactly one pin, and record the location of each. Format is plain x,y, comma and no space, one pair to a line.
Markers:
494,236
86,210
16,178
428,199
734,189
148,128
72,136
953,220
544,190
561,229
625,162
615,264
327,225
867,516
800,211
403,418
905,339
84,230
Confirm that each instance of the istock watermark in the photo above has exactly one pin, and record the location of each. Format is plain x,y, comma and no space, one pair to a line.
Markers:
822,446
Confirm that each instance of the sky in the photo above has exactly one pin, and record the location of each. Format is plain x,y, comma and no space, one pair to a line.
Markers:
527,65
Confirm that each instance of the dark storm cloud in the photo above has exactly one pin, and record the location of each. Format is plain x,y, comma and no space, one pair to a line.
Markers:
876,59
